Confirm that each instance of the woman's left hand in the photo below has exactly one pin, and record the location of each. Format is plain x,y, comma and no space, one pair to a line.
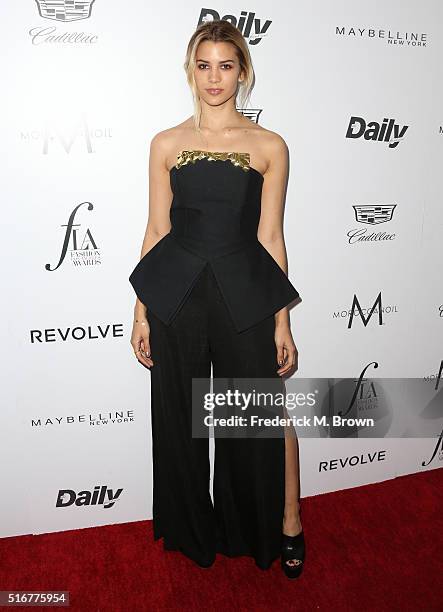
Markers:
287,353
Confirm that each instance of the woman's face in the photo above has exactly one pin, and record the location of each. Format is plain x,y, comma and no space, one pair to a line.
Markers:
217,71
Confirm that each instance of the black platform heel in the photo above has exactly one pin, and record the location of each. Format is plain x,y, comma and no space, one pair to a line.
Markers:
293,549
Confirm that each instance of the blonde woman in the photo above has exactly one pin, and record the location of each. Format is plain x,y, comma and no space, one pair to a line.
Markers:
212,291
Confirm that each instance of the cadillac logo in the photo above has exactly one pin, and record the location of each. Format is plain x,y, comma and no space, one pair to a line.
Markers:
373,214
251,113
65,10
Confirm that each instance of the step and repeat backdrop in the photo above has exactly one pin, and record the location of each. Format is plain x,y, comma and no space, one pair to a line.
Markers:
355,90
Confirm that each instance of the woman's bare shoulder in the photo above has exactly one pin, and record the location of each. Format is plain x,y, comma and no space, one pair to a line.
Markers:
272,142
171,136
269,148
167,142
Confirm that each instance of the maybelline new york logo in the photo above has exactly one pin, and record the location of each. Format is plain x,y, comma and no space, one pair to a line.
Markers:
249,25
83,250
392,37
371,214
99,419
100,496
387,131
65,11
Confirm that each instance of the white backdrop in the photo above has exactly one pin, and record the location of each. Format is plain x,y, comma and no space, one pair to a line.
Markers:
81,101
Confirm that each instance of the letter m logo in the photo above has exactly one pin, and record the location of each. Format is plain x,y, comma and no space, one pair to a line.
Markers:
356,305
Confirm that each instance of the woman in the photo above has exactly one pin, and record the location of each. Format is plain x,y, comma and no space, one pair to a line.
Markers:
212,290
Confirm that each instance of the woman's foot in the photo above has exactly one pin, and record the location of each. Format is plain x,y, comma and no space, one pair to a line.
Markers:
292,525
293,547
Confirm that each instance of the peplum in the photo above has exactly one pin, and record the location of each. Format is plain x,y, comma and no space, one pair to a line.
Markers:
214,214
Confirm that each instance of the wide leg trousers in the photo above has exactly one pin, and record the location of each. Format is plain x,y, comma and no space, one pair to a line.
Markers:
249,473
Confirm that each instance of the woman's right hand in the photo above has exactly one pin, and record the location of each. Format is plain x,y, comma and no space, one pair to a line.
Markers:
140,340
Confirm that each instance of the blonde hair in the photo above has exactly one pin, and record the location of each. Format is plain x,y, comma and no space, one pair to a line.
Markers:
219,30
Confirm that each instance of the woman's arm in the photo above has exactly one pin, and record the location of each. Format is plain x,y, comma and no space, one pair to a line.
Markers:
270,230
160,198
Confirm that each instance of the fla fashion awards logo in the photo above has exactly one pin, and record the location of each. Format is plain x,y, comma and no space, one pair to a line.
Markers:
438,448
82,248
364,390
438,451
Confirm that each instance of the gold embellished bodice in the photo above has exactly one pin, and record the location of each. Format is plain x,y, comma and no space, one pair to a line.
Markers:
238,159
215,214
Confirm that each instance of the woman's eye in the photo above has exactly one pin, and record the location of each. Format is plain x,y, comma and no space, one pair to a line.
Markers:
228,66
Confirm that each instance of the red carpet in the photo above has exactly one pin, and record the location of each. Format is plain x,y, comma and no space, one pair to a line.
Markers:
377,547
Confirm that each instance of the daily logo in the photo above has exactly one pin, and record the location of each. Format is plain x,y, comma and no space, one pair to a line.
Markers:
100,496
252,28
82,248
387,131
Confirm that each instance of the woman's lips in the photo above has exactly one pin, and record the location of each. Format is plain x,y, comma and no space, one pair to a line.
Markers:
214,92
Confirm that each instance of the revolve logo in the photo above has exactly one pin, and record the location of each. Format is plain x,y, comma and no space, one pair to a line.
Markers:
352,461
79,333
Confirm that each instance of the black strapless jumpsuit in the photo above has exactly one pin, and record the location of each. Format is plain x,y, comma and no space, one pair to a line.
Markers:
211,291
